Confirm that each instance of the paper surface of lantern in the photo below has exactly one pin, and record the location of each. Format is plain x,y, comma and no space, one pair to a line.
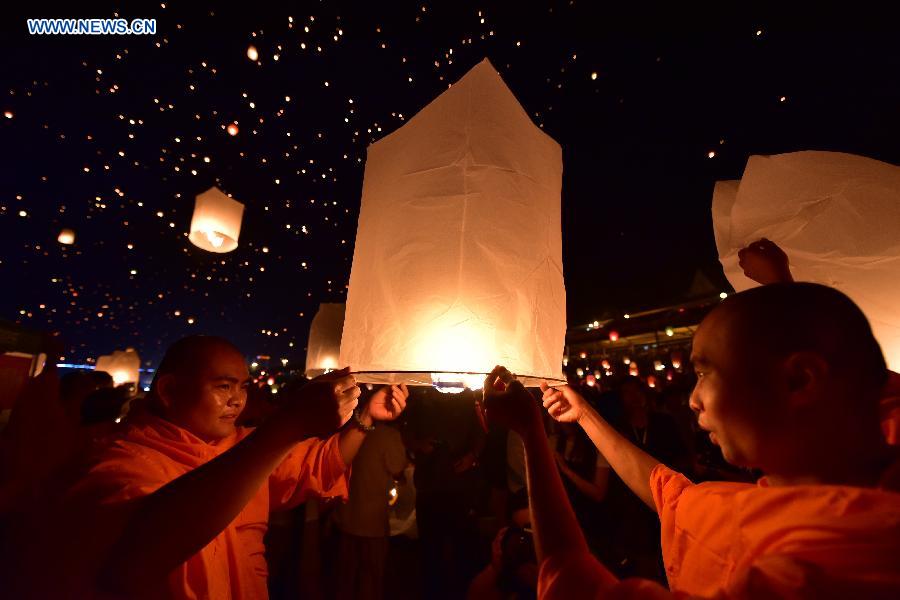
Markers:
216,224
837,216
324,346
66,237
123,366
458,259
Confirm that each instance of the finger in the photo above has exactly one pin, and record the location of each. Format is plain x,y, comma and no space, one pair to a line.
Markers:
405,390
401,402
492,378
549,405
397,409
345,383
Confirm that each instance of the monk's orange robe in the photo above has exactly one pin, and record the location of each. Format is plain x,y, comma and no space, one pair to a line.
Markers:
151,453
735,540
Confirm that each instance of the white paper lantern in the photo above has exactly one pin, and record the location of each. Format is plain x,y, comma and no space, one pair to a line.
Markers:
216,224
123,366
458,258
324,347
837,216
66,237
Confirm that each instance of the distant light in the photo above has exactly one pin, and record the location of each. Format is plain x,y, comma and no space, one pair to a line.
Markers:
22,213
711,154
759,32
253,365
233,129
583,355
594,75
596,323
613,336
783,98
146,388
8,114
252,53
670,332
627,316
723,295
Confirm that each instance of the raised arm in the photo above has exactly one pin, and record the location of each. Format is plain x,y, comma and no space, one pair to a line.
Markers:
178,520
630,463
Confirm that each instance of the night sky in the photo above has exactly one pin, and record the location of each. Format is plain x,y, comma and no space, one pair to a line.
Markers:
113,136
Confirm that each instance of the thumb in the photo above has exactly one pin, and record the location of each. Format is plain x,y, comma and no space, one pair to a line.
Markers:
544,386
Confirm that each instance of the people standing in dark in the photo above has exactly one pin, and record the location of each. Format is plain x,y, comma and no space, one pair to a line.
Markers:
444,432
635,529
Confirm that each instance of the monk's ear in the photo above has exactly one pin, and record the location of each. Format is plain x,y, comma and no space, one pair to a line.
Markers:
165,390
805,377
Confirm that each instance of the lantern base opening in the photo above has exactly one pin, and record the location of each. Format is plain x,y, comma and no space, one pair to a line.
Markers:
445,381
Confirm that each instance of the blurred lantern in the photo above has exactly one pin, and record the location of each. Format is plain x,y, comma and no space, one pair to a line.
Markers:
627,361
835,215
324,346
565,361
583,355
651,381
676,359
579,372
216,224
475,279
670,332
123,366
232,129
605,364
66,236
669,376
658,365
252,53
597,374
591,380
270,381
614,336
633,370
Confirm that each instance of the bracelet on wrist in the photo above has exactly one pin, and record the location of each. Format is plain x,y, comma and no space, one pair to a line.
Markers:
359,424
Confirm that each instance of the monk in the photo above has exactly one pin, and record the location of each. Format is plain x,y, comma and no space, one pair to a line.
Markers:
789,377
178,505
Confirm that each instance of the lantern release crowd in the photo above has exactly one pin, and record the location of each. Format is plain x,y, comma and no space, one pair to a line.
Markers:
405,461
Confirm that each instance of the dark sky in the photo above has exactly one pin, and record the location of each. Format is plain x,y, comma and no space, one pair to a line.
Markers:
669,89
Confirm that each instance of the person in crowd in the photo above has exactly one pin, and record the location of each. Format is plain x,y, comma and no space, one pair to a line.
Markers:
445,434
765,262
512,572
777,393
363,519
177,506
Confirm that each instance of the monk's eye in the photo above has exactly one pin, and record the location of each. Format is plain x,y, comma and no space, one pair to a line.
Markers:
223,386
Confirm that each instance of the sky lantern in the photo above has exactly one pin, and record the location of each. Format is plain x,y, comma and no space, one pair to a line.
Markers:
252,53
216,224
614,336
324,346
122,365
66,237
837,216
458,258
232,129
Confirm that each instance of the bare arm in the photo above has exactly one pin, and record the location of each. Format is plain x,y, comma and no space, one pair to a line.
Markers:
596,489
630,463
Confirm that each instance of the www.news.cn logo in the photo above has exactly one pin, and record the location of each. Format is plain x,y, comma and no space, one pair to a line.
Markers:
92,26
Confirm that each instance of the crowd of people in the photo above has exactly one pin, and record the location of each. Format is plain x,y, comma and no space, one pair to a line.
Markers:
771,471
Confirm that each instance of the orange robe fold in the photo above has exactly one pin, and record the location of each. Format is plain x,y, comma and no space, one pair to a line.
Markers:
153,452
742,541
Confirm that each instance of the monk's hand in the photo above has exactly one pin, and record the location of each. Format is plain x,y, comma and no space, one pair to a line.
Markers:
563,403
508,404
323,405
388,402
764,262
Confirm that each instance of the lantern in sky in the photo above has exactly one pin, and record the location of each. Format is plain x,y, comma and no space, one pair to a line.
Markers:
324,346
232,129
458,258
66,237
252,53
216,223
614,336
123,366
837,216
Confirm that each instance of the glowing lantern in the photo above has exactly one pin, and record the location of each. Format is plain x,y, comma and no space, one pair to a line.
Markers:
66,236
605,364
614,336
676,360
591,380
835,215
324,345
651,381
216,224
583,355
579,372
633,369
627,361
232,129
670,332
475,278
658,365
252,53
123,366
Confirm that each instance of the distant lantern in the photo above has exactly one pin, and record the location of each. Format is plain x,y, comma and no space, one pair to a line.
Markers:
605,364
66,236
123,366
676,359
633,369
232,129
835,215
252,53
216,224
670,332
651,381
591,380
475,279
614,336
324,346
